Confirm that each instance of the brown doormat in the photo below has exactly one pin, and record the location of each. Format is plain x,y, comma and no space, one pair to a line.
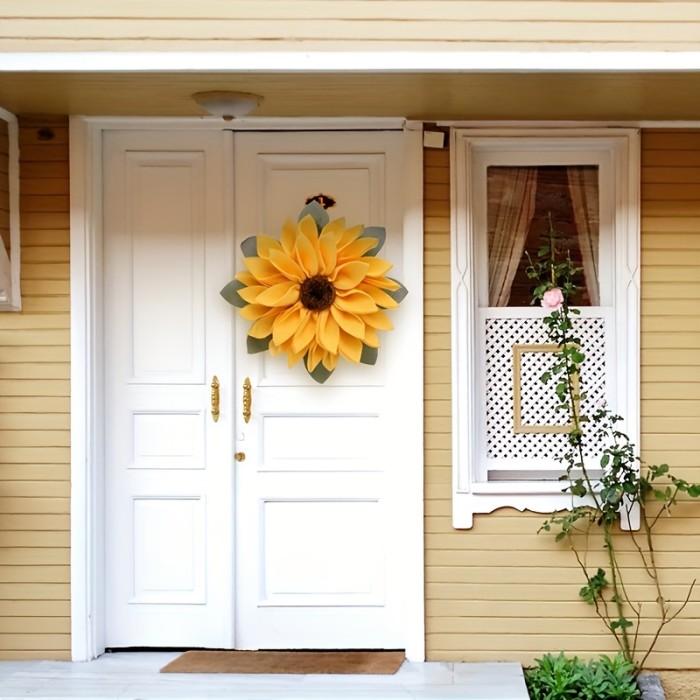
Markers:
296,662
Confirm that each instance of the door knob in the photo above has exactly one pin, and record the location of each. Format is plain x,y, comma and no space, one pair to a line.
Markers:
239,456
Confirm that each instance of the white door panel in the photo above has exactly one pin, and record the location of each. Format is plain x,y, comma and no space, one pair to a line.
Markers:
167,464
302,544
319,565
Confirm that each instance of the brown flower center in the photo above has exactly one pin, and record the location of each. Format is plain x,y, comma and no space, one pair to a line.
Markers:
317,293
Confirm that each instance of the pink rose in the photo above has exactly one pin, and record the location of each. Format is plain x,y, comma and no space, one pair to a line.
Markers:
553,299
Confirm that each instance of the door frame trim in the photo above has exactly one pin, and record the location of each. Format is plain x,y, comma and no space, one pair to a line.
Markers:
87,371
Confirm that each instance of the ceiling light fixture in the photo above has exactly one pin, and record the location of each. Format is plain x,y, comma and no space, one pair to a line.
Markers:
227,104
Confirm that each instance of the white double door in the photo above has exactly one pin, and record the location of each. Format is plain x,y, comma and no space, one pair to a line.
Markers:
302,543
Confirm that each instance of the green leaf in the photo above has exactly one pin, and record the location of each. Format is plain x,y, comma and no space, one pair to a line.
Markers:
256,345
250,247
318,214
378,232
320,373
620,623
694,490
230,293
369,355
399,294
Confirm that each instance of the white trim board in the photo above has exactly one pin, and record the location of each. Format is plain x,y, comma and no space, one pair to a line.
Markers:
353,61
87,392
473,491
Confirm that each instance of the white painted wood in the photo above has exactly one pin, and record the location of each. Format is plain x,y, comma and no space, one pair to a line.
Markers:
615,152
320,493
324,61
87,394
167,463
88,527
10,298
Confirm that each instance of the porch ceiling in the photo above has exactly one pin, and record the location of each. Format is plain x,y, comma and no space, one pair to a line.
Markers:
423,96
615,96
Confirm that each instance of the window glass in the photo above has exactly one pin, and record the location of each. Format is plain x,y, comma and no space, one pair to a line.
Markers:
521,201
5,185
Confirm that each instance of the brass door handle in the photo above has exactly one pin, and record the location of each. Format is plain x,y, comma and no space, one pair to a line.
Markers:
215,398
239,456
247,399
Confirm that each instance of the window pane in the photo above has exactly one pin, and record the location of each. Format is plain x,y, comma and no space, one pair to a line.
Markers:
5,185
520,201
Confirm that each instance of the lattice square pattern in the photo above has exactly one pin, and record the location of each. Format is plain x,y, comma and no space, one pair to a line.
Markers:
538,400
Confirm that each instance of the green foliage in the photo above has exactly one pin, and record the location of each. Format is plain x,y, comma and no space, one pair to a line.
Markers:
563,678
627,485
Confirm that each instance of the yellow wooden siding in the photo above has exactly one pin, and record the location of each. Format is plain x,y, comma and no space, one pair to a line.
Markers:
300,25
34,411
501,591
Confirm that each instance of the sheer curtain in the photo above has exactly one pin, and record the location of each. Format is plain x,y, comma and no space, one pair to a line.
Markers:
510,214
583,186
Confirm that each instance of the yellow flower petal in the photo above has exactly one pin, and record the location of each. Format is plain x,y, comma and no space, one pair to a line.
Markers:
284,264
250,294
355,301
336,226
356,249
349,235
378,320
381,298
314,356
286,348
350,348
328,252
286,324
263,270
349,275
283,294
308,228
327,331
265,244
305,333
350,323
293,357
306,254
263,326
330,360
245,277
377,266
251,312
382,283
371,338
289,236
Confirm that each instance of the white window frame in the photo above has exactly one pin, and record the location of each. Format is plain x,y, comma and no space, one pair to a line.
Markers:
10,298
616,151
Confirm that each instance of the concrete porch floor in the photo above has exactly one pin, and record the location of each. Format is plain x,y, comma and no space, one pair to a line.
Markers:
136,676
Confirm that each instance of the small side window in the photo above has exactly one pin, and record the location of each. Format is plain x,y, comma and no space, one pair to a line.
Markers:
9,213
510,189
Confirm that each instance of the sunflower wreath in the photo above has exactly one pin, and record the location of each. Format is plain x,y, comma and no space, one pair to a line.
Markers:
317,294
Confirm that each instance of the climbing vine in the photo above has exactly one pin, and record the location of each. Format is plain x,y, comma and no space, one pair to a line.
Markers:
623,486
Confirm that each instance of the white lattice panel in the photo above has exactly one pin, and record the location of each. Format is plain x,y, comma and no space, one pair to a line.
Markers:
537,400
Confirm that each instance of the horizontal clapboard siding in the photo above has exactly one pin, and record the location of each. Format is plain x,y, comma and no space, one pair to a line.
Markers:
41,25
34,411
501,591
